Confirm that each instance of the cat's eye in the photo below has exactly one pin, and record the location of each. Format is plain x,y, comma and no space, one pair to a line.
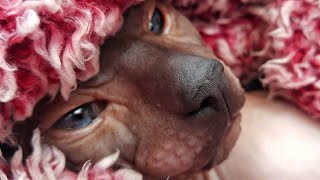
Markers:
156,22
80,117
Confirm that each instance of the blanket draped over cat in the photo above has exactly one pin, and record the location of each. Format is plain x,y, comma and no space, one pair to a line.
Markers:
47,46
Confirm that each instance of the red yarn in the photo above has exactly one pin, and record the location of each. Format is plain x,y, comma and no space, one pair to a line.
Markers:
234,34
294,72
47,46
247,33
47,162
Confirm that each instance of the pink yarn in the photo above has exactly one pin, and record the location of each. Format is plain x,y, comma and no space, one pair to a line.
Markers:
48,163
233,33
294,70
278,38
46,46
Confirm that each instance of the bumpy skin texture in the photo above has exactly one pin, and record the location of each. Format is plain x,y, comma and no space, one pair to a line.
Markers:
170,105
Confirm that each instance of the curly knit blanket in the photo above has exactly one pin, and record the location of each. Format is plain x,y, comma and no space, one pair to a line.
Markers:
47,46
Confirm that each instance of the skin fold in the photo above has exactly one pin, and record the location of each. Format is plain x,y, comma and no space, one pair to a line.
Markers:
167,103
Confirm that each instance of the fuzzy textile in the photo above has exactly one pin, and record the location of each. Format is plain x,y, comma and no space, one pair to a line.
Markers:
47,46
48,163
277,40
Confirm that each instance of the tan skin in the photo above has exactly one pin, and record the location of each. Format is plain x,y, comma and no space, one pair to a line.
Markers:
277,141
164,101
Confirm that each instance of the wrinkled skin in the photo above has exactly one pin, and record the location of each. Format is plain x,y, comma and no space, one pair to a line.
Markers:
169,105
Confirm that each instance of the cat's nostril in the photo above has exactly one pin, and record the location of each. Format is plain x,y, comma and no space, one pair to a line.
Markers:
208,105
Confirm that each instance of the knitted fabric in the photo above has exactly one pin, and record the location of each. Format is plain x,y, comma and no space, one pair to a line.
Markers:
277,40
47,46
